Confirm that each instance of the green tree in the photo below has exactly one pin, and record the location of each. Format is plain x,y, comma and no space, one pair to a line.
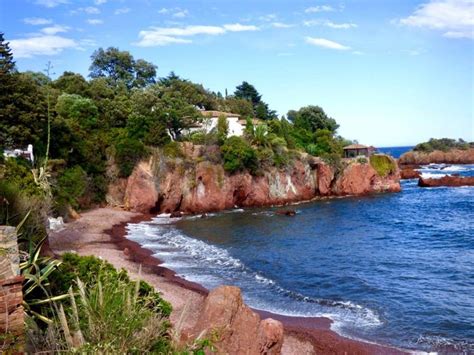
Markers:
78,108
312,118
248,92
72,83
222,129
120,66
7,64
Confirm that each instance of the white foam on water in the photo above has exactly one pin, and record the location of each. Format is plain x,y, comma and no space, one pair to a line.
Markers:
426,175
211,266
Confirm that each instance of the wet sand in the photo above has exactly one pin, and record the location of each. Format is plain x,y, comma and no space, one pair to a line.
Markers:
101,232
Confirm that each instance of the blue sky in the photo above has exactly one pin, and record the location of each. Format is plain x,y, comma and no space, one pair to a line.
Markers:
392,72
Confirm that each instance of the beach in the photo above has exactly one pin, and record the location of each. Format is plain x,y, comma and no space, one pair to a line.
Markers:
101,232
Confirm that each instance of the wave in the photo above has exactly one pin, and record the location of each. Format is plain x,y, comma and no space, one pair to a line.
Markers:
211,266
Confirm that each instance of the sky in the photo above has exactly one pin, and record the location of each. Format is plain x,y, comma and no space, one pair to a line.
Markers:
391,72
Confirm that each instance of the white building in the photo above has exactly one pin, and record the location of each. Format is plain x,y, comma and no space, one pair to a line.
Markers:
25,153
209,123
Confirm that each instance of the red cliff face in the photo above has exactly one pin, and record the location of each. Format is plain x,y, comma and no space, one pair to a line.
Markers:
167,185
454,156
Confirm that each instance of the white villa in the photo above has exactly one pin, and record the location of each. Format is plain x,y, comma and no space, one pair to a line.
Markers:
25,153
236,124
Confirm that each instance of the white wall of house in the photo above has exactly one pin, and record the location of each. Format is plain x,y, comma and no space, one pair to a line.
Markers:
210,123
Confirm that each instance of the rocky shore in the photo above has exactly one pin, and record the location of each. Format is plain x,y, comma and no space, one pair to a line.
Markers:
100,232
410,161
414,159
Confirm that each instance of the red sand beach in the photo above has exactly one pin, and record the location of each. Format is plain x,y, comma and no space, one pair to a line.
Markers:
101,232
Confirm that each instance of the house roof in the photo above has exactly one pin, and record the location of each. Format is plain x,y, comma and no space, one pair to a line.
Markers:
356,146
218,113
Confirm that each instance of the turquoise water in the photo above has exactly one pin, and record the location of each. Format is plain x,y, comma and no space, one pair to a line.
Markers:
395,268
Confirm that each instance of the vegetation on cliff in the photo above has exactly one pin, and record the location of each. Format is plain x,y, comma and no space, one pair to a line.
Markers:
383,164
443,144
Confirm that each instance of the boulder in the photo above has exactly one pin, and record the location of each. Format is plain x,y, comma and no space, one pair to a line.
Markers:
289,213
236,327
453,181
409,173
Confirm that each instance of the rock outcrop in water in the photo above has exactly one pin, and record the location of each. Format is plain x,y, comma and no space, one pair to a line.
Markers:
409,173
194,185
452,181
453,156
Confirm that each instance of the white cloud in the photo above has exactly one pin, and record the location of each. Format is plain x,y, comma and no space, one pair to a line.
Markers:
237,27
35,21
91,10
268,18
343,26
325,43
181,14
40,45
454,17
281,25
122,10
319,8
162,36
338,26
100,2
52,30
174,12
51,3
95,21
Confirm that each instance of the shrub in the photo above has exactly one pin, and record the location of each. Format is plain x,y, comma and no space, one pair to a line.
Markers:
238,155
91,269
383,164
157,135
128,152
222,129
71,185
173,150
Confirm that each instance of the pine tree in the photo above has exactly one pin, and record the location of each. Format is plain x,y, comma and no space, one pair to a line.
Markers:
7,65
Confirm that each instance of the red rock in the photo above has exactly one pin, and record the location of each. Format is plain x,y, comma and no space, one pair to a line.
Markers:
453,181
167,185
239,330
286,212
409,173
454,156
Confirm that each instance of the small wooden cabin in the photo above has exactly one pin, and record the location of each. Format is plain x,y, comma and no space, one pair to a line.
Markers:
356,150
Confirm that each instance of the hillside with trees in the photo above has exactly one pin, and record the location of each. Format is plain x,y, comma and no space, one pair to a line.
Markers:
122,109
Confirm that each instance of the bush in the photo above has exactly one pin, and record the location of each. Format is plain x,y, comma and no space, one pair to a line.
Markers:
105,312
238,155
72,184
383,164
90,270
157,135
173,150
128,152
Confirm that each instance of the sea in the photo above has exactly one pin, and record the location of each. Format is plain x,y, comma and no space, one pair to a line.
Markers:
394,269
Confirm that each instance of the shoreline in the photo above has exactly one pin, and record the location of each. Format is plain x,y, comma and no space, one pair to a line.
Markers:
315,330
101,232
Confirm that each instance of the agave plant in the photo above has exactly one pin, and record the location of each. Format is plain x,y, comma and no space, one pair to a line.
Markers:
36,270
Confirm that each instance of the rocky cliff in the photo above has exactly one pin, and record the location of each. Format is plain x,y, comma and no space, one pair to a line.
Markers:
453,156
193,184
